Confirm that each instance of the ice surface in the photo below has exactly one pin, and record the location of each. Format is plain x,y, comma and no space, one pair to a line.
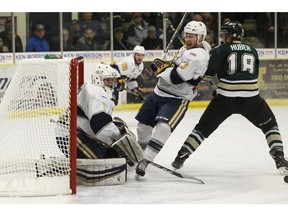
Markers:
234,163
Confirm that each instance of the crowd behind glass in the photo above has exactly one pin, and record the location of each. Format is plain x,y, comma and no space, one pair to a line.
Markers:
89,31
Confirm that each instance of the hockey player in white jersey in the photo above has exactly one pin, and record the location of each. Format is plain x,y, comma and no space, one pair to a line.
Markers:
129,69
98,136
165,107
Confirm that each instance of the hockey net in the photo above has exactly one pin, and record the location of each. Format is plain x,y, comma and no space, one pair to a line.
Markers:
38,128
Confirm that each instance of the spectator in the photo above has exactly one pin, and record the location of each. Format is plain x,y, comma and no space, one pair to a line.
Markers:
225,20
67,45
18,41
169,31
7,37
3,47
210,40
208,20
87,42
265,28
7,25
88,21
151,42
119,43
198,17
137,31
251,39
151,18
282,19
75,32
37,43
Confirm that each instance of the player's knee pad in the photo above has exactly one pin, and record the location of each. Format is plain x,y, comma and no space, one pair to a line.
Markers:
128,147
144,133
162,132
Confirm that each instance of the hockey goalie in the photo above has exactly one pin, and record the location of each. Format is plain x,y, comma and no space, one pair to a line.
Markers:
104,144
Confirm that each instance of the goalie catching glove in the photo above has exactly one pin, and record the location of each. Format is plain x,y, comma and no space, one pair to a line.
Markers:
159,66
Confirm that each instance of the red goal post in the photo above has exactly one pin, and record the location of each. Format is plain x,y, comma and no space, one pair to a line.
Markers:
38,122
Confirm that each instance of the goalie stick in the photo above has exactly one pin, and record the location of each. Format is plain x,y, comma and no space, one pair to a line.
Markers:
184,176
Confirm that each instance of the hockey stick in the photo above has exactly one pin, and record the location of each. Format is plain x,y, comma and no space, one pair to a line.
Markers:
136,93
214,93
174,35
172,27
184,176
215,88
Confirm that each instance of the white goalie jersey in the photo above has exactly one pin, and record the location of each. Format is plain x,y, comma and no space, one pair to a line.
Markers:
94,118
190,67
127,67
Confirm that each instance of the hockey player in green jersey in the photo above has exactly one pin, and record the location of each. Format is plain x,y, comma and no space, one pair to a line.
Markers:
236,65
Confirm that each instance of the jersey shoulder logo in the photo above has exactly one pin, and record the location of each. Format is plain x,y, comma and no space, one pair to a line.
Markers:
184,65
124,66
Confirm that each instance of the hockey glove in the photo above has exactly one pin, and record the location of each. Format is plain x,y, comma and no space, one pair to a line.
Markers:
136,90
121,83
159,66
207,78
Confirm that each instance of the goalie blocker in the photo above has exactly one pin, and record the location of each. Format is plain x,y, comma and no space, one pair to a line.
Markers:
127,146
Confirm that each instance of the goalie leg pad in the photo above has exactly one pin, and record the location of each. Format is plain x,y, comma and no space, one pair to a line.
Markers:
127,146
93,172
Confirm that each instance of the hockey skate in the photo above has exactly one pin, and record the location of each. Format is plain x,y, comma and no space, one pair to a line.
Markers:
182,155
280,161
141,166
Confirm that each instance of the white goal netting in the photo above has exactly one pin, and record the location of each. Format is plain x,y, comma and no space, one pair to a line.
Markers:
35,128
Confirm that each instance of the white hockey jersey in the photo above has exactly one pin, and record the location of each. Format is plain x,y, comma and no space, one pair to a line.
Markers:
192,64
127,67
94,115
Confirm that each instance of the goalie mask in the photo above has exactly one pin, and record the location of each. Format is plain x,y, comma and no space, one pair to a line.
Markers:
105,76
198,28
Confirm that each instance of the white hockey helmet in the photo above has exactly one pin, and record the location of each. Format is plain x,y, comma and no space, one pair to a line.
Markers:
196,27
103,72
139,49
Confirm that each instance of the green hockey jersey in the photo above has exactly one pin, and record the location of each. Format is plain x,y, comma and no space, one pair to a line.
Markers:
236,65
